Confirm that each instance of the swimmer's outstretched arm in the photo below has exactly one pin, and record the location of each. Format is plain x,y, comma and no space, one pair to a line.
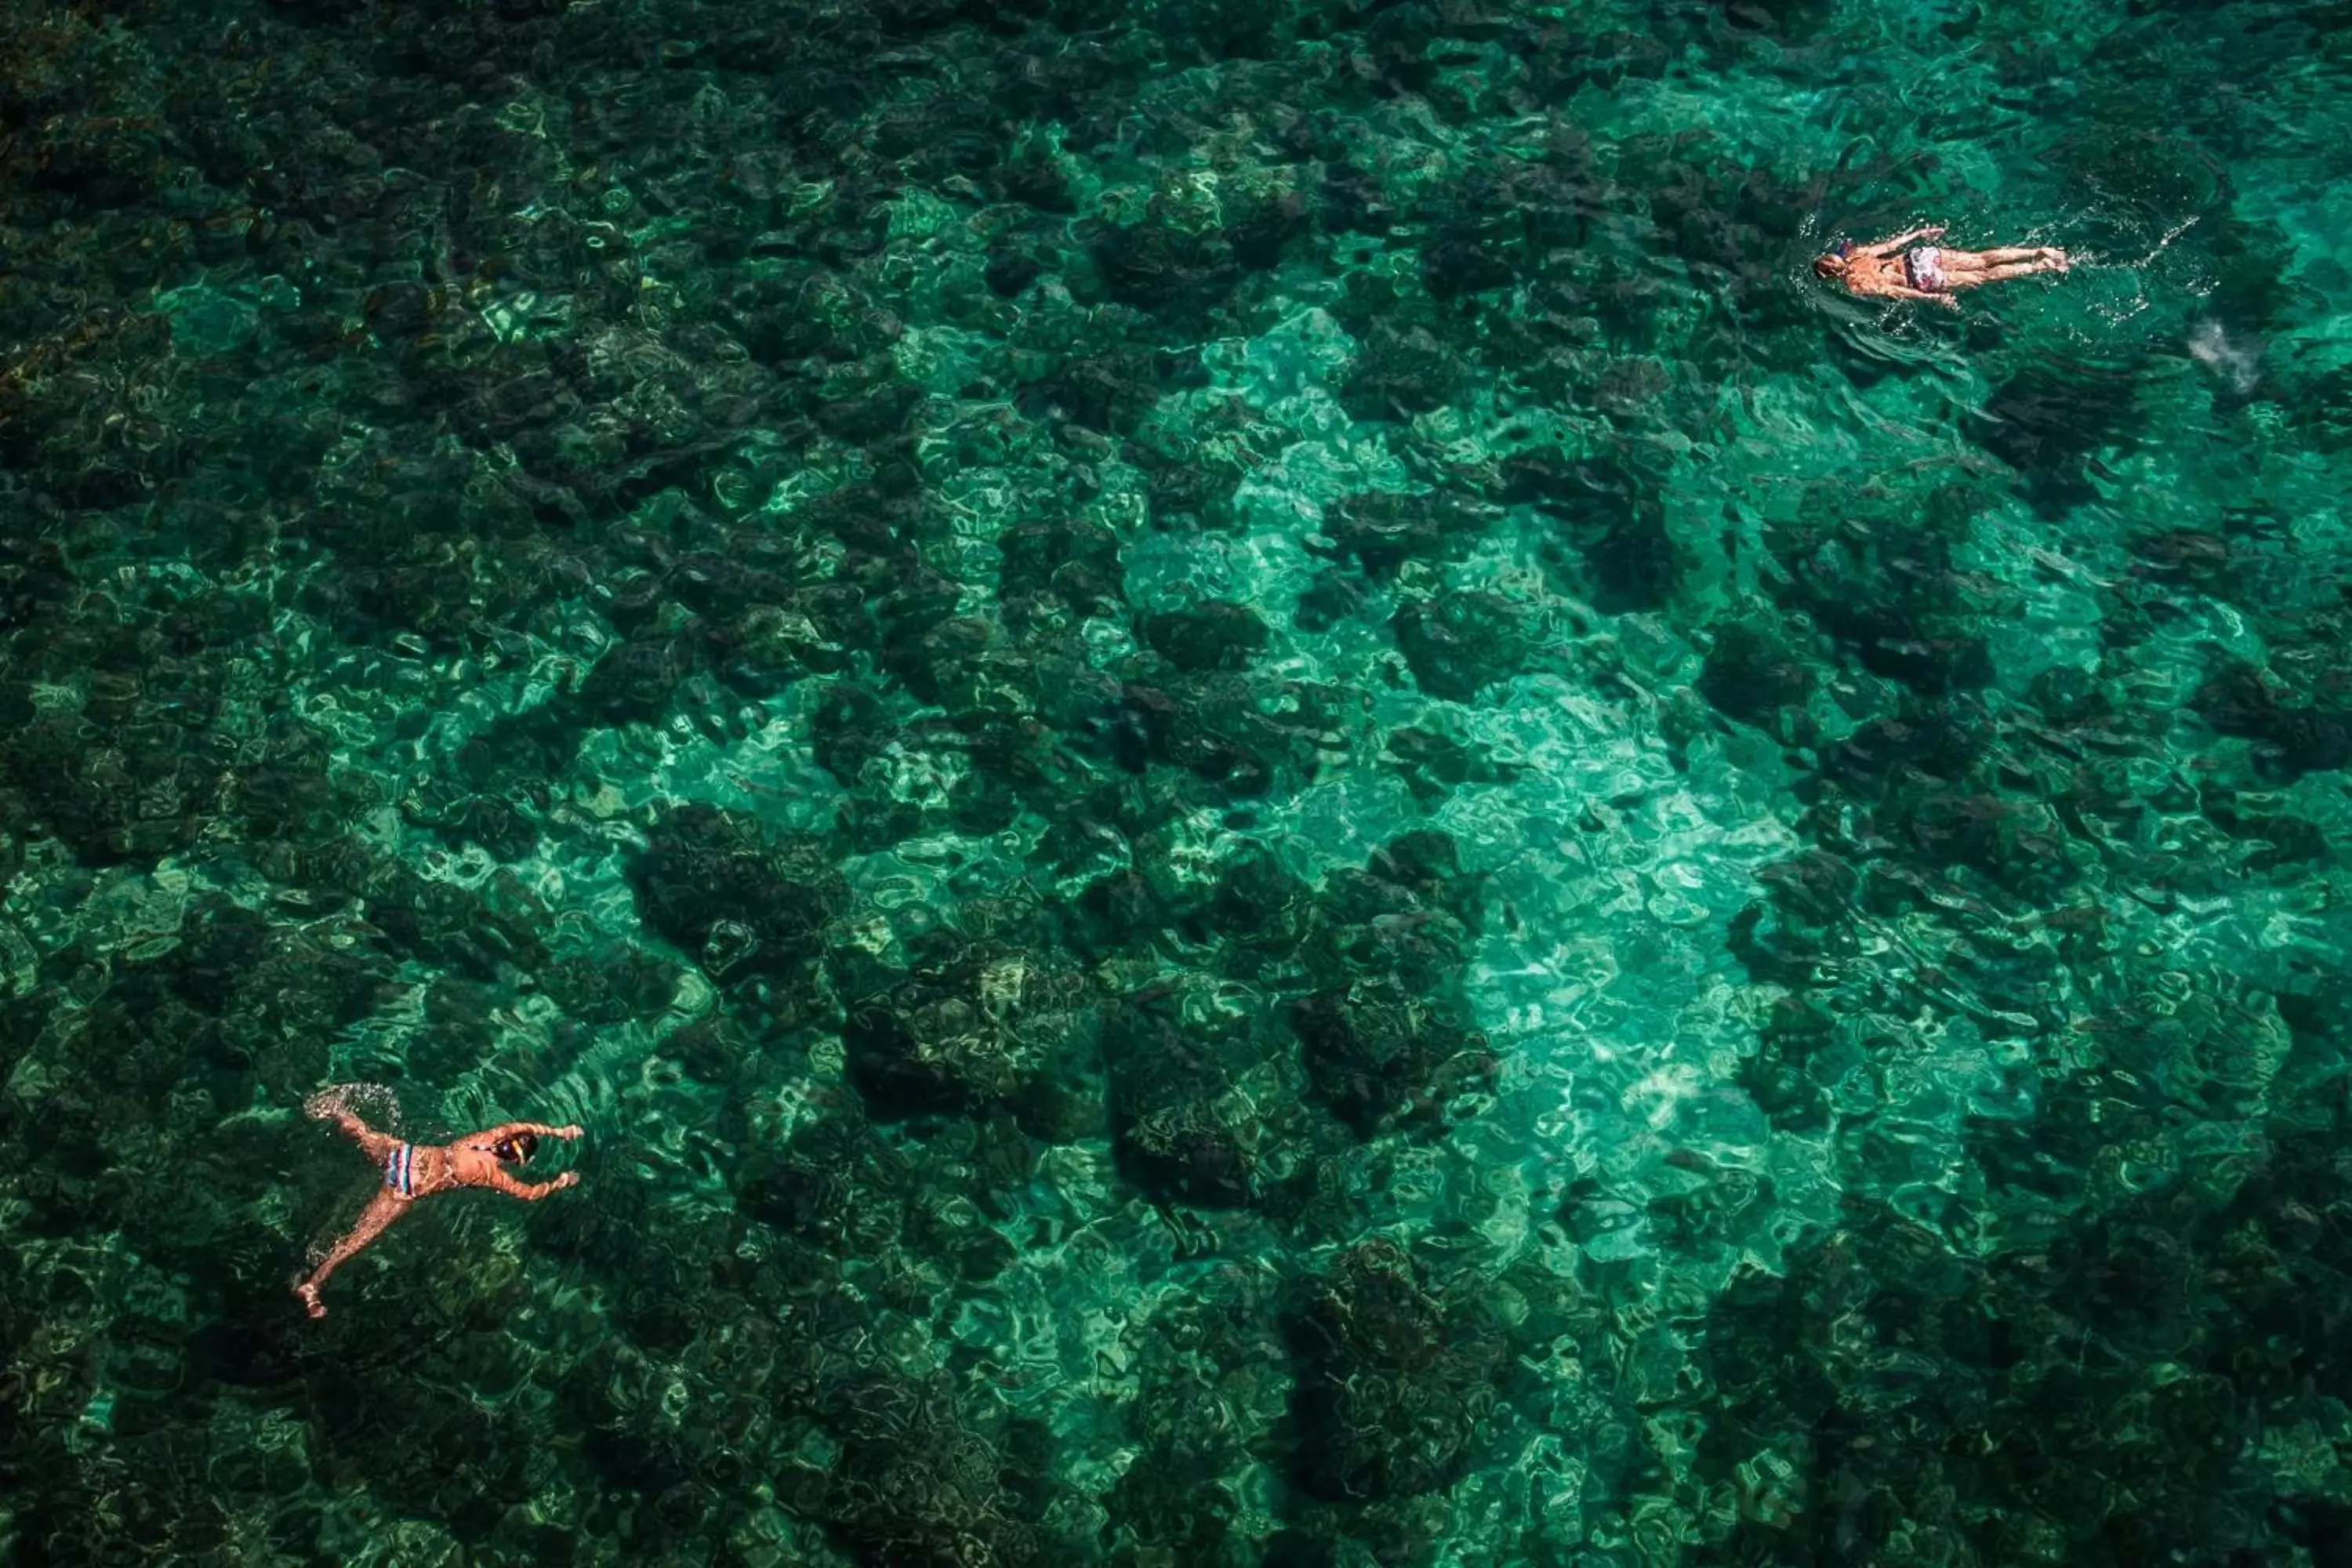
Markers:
1924,296
536,1129
1881,247
380,1212
530,1192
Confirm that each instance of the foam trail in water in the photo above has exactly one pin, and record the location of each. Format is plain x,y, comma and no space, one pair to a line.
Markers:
374,1103
2236,360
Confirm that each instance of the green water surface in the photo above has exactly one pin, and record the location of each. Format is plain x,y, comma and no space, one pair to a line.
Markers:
1269,804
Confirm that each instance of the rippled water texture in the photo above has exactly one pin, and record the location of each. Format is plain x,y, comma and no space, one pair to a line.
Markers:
1270,805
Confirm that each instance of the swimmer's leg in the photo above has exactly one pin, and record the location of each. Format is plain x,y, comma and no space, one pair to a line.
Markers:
327,1105
2034,259
380,1212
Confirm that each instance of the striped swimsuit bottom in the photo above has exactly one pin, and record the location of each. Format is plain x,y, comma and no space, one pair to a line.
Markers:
400,1170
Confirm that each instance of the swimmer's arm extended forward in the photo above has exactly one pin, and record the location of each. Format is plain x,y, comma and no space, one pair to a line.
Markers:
531,1192
496,1176
536,1129
1878,249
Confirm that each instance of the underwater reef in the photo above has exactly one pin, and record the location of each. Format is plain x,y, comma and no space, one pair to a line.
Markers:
1270,805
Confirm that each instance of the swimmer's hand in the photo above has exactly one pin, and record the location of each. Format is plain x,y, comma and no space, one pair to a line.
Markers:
569,1133
569,1179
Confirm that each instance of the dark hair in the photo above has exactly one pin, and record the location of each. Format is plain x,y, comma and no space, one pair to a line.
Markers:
1830,266
516,1147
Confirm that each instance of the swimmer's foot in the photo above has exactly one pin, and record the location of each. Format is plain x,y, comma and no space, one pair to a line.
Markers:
309,1294
2057,259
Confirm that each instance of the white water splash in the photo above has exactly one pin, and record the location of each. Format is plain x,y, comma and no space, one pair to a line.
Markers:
2237,361
374,1103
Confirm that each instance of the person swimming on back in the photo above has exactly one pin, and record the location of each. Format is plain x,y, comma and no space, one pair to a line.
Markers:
412,1170
1886,270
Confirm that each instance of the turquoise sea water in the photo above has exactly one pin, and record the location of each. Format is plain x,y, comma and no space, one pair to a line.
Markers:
1268,804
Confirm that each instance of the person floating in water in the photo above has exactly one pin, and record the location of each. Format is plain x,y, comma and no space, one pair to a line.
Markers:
412,1170
1927,271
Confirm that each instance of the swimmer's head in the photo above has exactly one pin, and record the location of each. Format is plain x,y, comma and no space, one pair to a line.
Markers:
516,1147
1831,263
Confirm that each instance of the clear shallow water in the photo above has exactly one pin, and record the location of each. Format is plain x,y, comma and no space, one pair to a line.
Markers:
1269,806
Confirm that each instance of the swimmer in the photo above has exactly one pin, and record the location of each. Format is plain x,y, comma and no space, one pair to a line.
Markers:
1928,271
412,1170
